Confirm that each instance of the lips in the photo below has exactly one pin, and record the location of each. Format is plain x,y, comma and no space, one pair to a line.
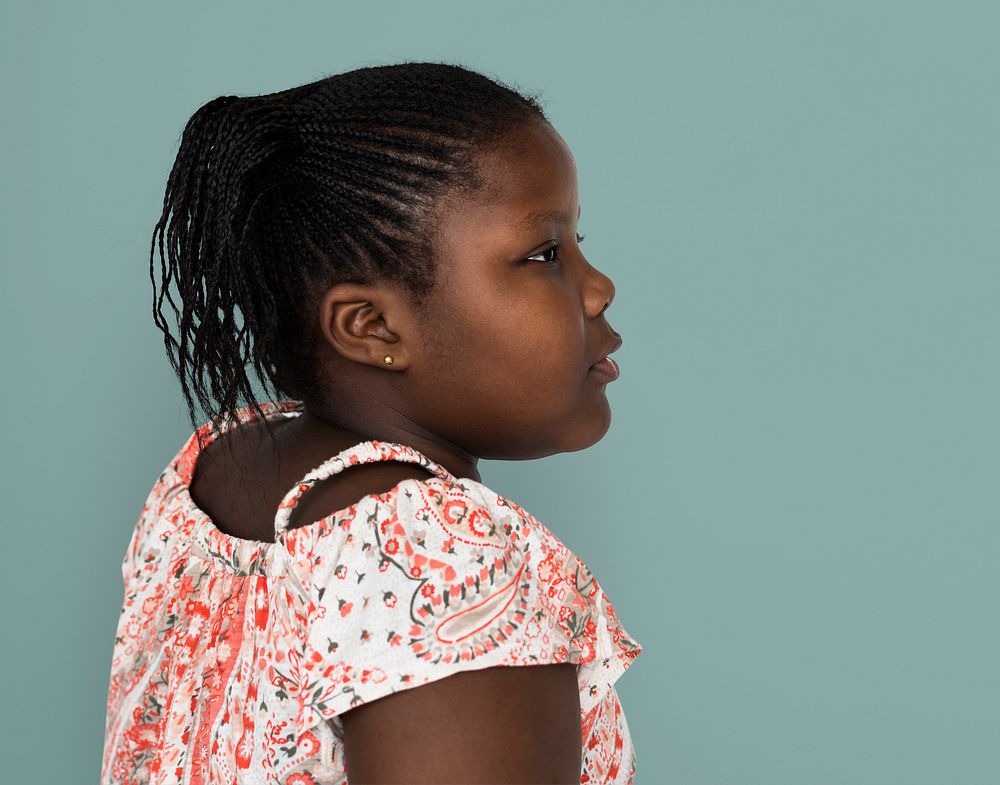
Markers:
606,367
613,346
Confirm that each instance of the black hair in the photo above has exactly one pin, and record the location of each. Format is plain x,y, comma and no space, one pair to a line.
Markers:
274,198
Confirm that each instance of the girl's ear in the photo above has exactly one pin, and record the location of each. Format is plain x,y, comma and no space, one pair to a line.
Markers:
362,323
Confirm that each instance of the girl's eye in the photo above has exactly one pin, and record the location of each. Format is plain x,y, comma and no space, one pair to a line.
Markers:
549,254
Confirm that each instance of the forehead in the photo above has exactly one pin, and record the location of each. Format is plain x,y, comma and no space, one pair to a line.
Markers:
526,177
530,168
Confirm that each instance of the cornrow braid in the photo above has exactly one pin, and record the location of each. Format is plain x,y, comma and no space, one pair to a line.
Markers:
272,199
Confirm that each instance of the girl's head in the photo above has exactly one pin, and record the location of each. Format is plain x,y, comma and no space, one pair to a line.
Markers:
421,211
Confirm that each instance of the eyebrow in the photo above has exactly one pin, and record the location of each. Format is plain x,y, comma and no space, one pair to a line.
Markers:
542,216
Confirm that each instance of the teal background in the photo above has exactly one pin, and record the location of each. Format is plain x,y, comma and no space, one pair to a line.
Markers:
795,509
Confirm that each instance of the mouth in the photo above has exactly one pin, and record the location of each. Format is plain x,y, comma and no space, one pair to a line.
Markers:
607,368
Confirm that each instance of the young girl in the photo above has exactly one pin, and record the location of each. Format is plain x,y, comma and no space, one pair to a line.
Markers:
394,249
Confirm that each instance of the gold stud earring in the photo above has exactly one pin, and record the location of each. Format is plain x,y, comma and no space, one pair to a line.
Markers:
387,359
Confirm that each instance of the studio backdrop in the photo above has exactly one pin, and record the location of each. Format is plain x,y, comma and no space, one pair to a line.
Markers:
794,510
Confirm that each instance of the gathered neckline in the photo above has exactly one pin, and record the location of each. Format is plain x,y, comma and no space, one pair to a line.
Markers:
252,555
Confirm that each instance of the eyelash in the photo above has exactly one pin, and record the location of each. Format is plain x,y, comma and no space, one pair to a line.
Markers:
579,239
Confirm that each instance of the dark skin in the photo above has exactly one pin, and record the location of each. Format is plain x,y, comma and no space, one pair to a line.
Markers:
498,368
516,338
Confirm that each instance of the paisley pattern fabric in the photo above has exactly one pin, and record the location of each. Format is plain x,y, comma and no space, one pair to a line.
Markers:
234,658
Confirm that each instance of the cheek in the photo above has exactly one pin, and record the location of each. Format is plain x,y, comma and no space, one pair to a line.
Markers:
536,354
531,341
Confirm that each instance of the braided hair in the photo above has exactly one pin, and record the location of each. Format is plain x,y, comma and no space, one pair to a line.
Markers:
274,198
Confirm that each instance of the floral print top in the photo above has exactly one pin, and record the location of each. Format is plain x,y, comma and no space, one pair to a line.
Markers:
234,658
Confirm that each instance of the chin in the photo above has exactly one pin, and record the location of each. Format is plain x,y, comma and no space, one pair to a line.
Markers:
593,428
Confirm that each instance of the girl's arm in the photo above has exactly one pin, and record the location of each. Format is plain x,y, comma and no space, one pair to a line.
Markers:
493,725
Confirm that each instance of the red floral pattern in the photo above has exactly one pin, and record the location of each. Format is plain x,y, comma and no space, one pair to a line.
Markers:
234,658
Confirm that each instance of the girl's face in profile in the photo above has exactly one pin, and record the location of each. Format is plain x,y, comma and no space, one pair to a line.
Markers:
520,309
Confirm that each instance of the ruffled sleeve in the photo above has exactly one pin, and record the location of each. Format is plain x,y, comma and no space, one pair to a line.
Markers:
439,576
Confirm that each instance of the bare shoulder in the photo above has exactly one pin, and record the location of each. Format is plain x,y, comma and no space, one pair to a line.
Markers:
492,725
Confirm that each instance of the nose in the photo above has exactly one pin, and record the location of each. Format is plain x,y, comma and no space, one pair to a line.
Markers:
601,292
